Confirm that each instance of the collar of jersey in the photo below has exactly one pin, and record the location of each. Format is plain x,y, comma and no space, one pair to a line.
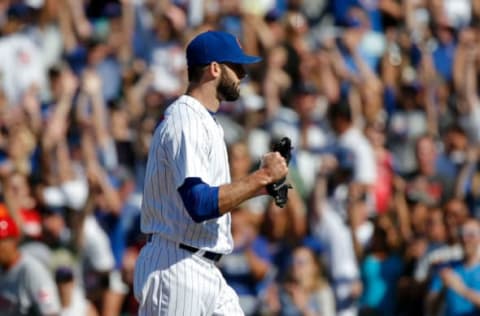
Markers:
196,105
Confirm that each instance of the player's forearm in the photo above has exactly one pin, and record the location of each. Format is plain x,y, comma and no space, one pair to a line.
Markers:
231,195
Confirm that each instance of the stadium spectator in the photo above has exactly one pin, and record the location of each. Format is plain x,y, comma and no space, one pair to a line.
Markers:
381,269
305,290
457,282
26,286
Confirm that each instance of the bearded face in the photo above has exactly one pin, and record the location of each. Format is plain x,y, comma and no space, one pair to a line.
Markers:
228,89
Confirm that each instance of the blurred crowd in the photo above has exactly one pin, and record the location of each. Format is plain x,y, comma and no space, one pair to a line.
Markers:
380,99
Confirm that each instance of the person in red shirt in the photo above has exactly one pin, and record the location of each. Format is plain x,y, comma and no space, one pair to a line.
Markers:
383,187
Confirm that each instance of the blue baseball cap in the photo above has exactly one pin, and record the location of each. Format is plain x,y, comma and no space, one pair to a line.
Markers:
217,46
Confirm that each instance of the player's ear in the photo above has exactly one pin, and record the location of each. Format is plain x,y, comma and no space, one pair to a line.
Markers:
215,70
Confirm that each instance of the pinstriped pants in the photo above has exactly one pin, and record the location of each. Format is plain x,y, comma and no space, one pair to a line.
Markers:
172,281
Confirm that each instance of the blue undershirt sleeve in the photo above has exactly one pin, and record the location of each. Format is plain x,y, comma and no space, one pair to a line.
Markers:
200,199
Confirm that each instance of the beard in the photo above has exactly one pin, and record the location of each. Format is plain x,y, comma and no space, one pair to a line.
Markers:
227,89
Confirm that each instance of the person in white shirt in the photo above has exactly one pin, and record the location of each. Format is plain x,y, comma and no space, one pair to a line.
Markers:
188,193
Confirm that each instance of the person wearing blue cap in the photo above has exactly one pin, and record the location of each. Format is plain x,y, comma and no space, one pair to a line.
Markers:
188,193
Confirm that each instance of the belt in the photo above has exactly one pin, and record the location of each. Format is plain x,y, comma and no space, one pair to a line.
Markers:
206,254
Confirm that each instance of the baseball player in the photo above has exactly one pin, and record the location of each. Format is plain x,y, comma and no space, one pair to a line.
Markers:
26,286
188,194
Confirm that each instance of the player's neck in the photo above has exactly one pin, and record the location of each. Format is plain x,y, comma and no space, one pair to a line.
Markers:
206,95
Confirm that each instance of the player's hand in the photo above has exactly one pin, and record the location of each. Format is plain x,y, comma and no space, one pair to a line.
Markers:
275,166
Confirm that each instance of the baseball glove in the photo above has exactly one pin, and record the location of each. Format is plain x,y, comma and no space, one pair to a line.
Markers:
279,190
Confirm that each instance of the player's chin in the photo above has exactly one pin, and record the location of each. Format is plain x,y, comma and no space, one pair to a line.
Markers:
230,95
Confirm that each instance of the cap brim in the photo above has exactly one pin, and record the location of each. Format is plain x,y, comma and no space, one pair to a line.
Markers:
247,59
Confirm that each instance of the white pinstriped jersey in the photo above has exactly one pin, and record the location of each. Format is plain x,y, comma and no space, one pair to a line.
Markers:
187,143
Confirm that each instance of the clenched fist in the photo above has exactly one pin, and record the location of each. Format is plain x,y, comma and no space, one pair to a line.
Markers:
274,165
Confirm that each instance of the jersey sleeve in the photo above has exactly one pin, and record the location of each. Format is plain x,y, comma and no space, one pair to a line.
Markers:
42,289
189,149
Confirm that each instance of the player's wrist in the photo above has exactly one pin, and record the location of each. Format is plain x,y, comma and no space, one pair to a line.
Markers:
262,191
262,177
